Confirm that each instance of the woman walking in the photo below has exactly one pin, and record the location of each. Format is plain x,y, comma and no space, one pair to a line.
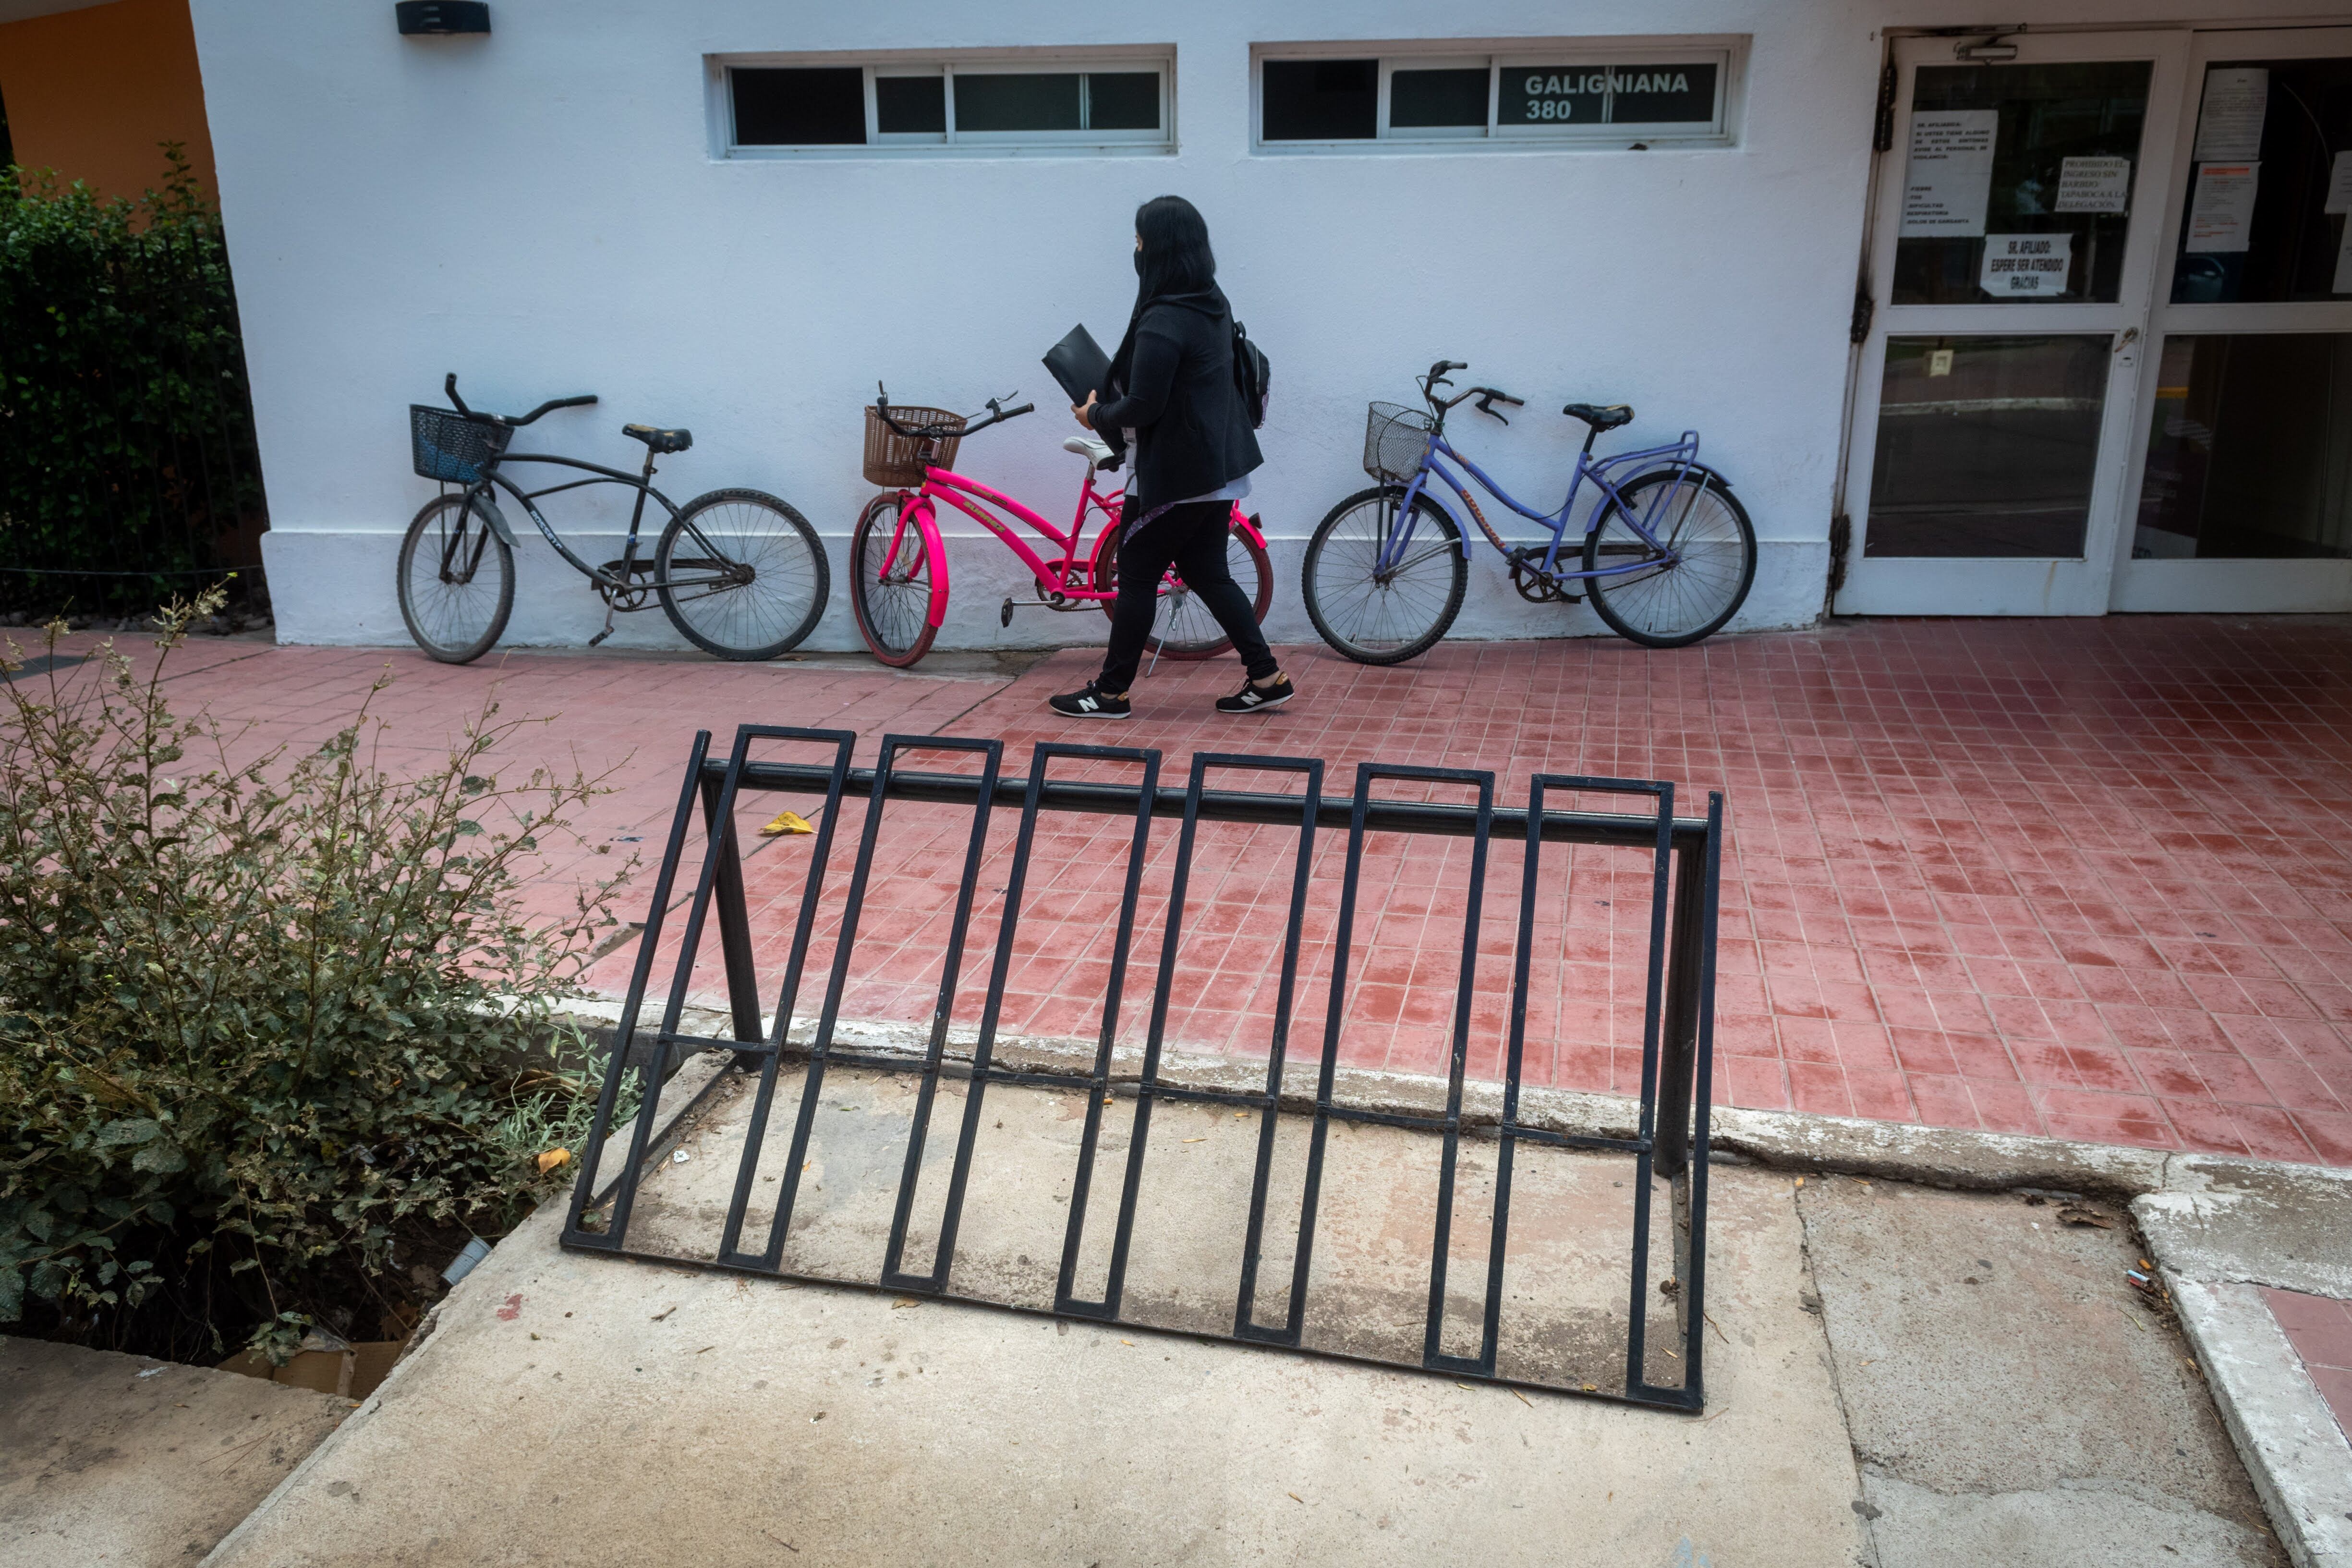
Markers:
1176,404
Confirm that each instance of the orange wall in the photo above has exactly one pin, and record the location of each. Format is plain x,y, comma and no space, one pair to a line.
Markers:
90,93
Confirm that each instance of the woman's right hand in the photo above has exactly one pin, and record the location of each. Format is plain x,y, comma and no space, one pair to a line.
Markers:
1084,412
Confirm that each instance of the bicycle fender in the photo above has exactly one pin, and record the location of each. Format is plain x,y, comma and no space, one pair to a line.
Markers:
1422,488
1248,527
927,523
496,518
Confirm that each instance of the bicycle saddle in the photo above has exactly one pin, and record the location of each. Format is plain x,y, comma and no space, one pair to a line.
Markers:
658,439
1600,416
1093,448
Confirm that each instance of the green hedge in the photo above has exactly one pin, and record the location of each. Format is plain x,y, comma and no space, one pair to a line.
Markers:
126,426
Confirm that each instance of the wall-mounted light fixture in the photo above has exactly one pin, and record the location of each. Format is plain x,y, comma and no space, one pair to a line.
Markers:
432,17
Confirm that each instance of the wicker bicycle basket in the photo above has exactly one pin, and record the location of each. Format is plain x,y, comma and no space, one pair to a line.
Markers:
895,461
1395,437
449,446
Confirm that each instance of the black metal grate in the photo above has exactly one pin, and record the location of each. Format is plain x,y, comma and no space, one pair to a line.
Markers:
1669,1142
447,446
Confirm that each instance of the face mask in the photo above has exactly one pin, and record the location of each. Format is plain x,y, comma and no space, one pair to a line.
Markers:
1139,264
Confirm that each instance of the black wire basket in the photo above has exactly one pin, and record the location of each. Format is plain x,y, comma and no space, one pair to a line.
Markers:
449,446
1395,439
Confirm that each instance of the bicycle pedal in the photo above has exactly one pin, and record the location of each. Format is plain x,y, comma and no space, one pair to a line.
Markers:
600,637
1005,615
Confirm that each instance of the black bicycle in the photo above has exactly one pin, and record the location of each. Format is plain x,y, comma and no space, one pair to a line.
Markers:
739,574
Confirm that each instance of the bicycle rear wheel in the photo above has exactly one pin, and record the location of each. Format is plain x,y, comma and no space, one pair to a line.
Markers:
1182,628
457,580
1690,595
1375,616
742,574
893,608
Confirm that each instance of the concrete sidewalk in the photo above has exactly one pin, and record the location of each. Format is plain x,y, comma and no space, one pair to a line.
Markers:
1898,1376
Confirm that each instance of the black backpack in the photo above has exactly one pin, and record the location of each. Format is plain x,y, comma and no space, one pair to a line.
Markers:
1252,376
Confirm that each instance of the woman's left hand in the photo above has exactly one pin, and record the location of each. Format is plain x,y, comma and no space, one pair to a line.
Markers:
1084,412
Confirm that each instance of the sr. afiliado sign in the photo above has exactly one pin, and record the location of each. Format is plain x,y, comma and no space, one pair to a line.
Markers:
1617,95
2023,264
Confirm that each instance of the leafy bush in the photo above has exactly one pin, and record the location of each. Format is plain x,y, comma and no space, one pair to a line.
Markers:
264,1011
125,412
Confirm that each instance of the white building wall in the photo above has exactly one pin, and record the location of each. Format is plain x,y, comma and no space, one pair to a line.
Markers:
539,211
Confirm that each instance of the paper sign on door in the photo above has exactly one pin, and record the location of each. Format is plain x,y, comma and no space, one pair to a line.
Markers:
2339,185
2230,120
2222,208
1950,177
2094,185
2023,266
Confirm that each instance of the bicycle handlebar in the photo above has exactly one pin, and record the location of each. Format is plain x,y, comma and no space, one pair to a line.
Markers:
997,415
449,386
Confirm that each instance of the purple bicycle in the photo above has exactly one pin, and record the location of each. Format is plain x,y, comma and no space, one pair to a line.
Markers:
1668,553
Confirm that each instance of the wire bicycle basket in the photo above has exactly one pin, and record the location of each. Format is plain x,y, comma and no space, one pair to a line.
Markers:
895,461
448,446
1395,440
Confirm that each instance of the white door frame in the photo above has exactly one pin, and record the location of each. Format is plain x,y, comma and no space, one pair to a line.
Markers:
2224,586
1939,585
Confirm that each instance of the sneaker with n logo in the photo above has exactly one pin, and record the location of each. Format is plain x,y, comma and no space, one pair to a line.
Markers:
1256,699
1091,702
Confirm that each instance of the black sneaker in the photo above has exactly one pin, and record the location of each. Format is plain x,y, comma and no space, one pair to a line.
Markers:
1256,699
1090,703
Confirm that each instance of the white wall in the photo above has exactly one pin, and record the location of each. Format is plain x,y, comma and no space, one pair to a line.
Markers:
539,211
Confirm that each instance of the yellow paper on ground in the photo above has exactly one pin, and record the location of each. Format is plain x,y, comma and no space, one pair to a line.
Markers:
787,822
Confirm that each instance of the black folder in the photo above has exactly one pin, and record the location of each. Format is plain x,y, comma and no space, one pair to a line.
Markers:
1078,362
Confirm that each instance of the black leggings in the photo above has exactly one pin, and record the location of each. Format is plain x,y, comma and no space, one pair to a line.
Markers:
1191,538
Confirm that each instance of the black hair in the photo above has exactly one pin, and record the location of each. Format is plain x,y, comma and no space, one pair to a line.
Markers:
1175,257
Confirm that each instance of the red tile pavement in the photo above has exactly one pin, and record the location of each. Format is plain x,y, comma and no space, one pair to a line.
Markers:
2320,1330
2091,878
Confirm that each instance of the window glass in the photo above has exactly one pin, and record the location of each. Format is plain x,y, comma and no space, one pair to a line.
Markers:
1044,101
1986,447
1123,101
2251,456
1541,96
910,105
2019,182
1321,101
819,106
1438,98
2269,179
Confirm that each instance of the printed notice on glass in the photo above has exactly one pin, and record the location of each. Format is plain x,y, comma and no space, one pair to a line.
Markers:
2230,122
2026,266
2094,185
2339,185
2222,208
2343,284
1950,177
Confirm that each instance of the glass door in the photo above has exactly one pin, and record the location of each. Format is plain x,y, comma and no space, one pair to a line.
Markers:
2242,498
2013,250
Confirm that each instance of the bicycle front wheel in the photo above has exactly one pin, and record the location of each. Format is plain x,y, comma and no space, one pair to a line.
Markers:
742,574
1378,615
1182,628
1691,573
457,580
894,608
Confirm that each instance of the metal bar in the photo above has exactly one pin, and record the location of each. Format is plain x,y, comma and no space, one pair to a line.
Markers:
727,892
1689,924
950,967
1693,1296
1098,1080
1632,832
821,855
625,1032
1636,1320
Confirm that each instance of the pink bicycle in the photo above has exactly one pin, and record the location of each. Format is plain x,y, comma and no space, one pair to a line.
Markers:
898,559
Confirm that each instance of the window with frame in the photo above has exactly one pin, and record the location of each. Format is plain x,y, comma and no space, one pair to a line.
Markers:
1518,94
994,101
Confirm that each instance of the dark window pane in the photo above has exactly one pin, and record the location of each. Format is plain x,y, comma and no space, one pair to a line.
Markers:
1662,95
2064,146
2288,246
1026,101
1321,101
1986,447
1123,101
1437,98
2251,449
798,108
1552,95
910,105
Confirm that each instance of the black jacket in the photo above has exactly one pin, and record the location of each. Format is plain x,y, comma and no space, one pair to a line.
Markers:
1175,377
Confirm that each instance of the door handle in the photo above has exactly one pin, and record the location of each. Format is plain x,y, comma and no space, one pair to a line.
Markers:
2125,339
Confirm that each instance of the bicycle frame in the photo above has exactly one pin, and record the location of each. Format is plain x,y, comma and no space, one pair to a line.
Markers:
478,494
973,499
1610,474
